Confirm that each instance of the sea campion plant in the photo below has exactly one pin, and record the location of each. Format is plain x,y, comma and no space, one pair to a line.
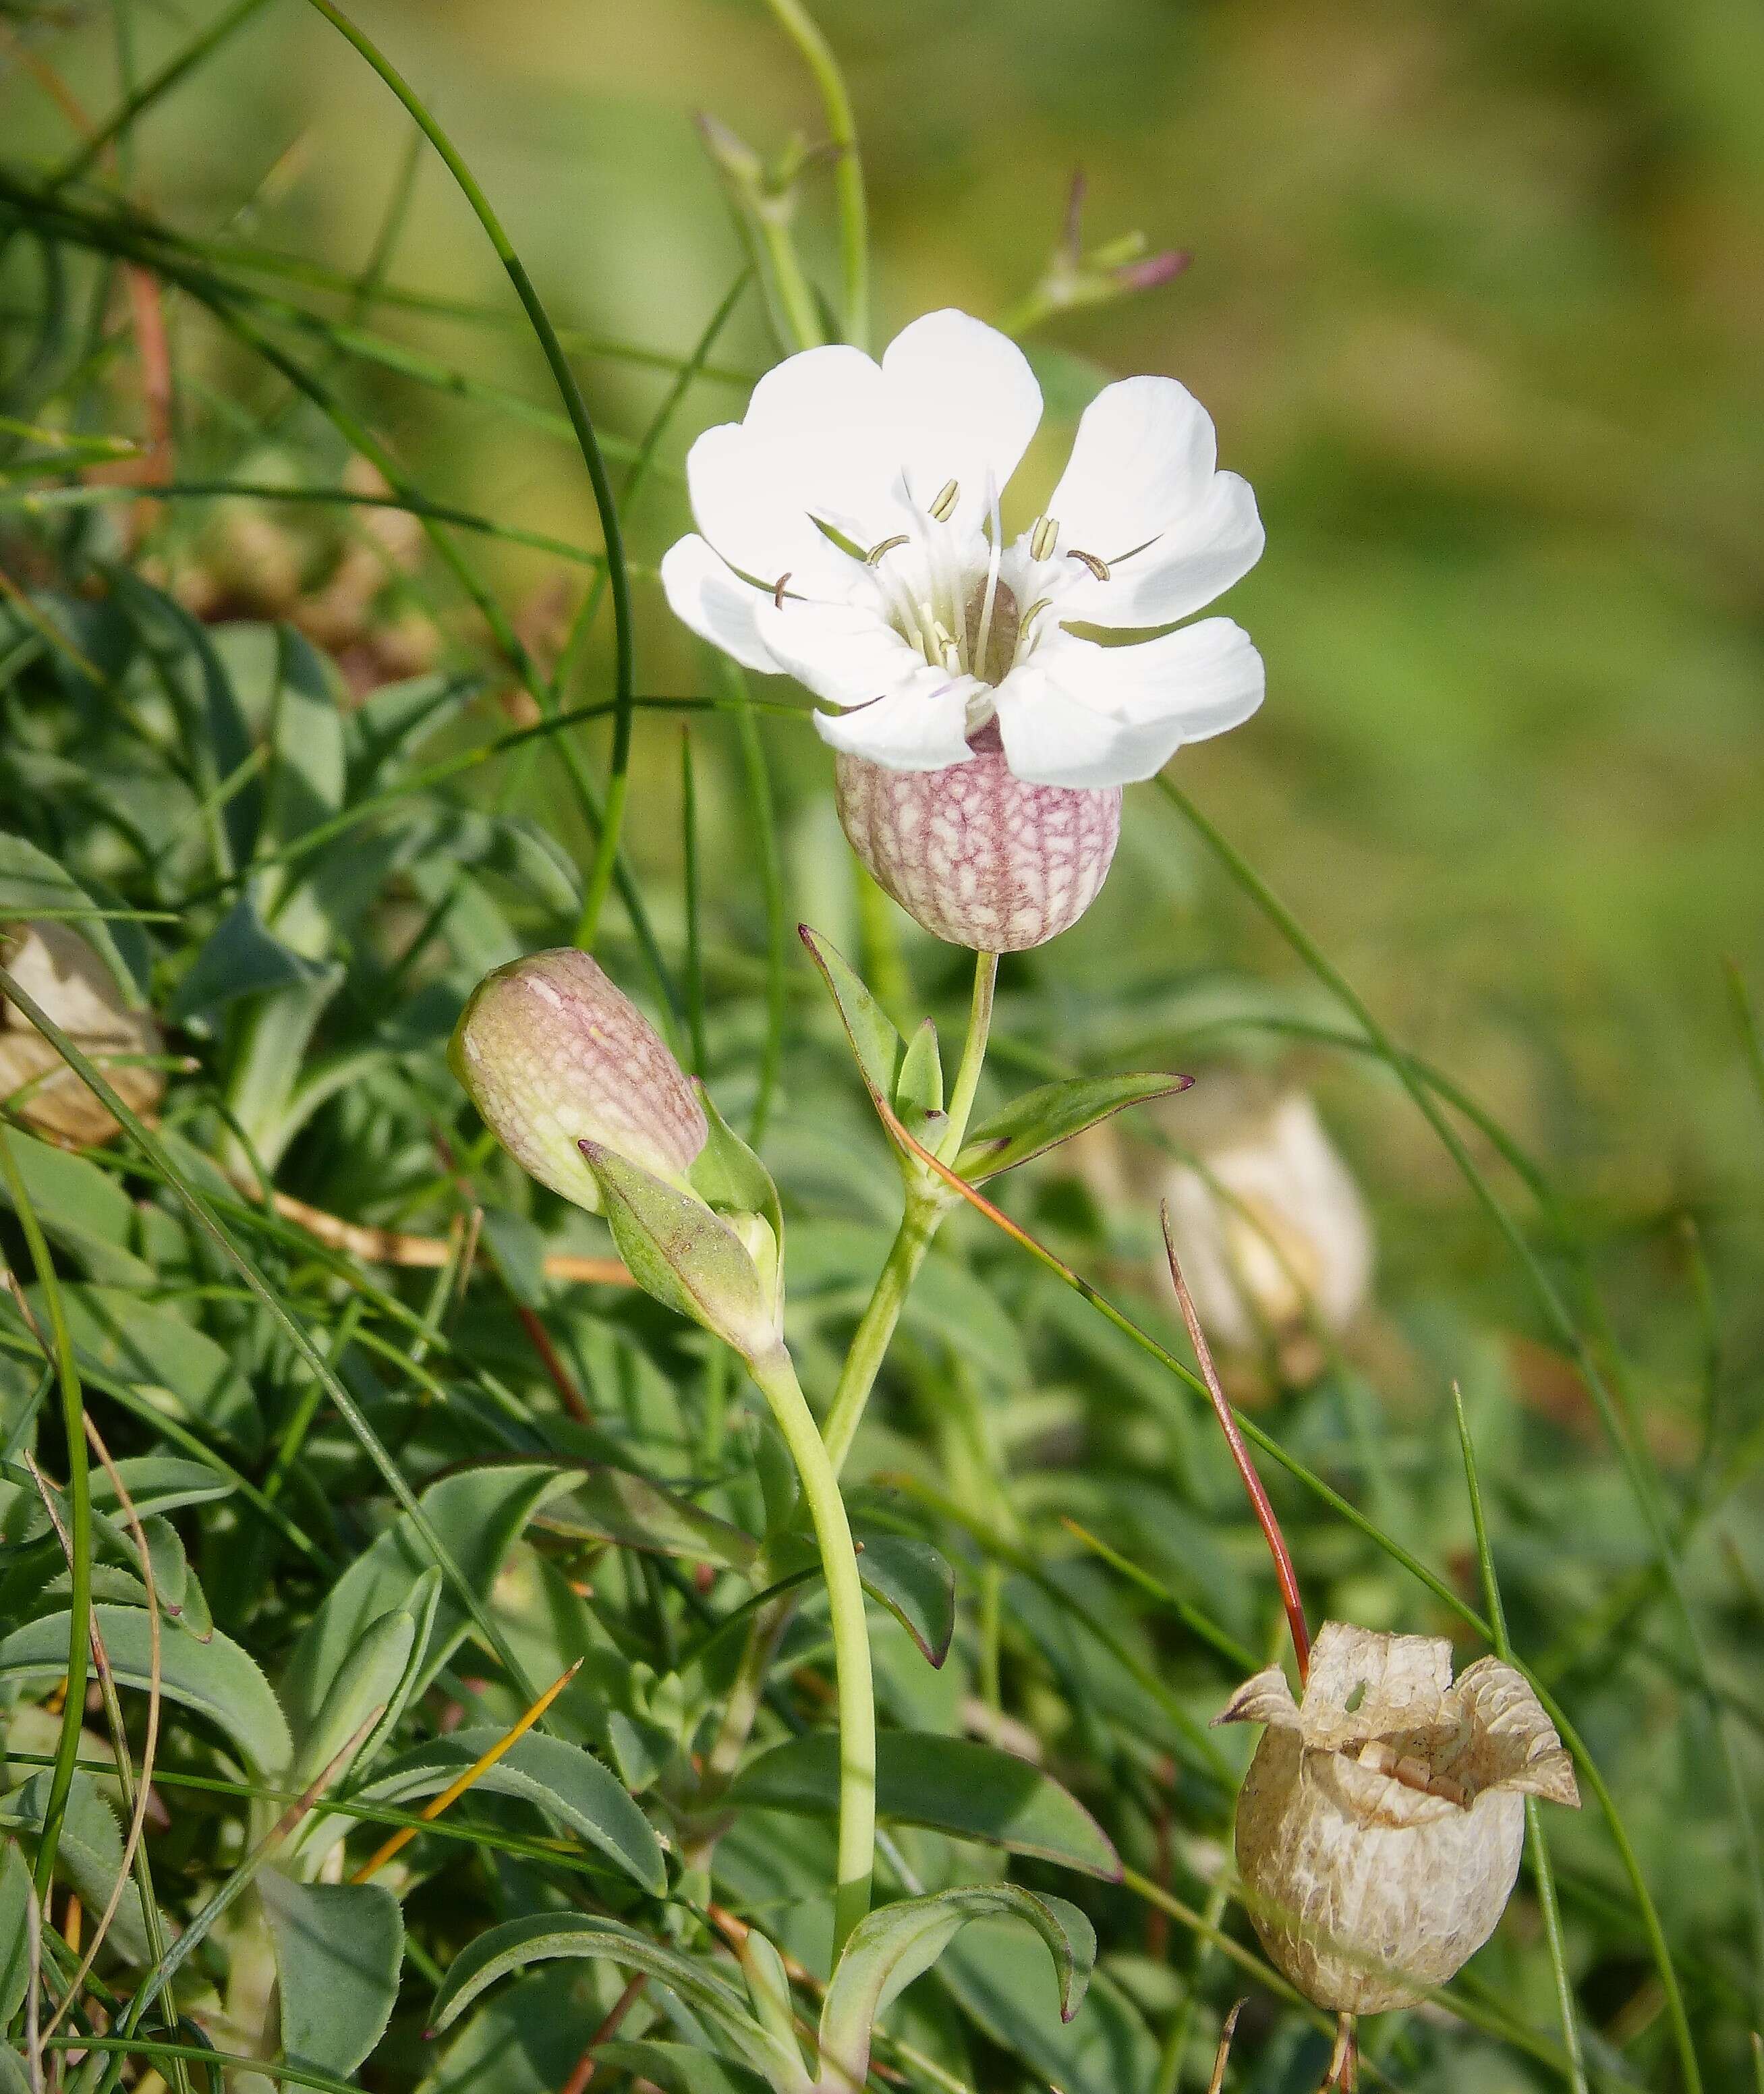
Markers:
420,1565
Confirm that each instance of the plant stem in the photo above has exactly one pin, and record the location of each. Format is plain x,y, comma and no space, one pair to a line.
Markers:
967,1075
848,177
778,1382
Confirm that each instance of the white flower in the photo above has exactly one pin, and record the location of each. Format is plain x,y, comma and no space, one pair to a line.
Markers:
849,537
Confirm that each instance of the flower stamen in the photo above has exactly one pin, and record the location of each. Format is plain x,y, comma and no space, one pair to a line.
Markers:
1044,537
983,636
877,554
943,507
777,593
1099,568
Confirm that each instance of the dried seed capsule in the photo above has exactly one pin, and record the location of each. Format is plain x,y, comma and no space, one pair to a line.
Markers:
60,971
552,1054
1381,1823
975,855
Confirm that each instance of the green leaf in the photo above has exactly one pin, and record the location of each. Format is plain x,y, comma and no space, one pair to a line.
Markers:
31,882
542,1936
999,1978
216,1678
173,1365
612,1505
914,1582
900,1942
918,1088
338,1950
564,1780
1041,1119
88,1855
307,785
952,1785
878,1046
688,1257
80,1207
16,1895
14,2079
515,850
159,1483
477,1515
241,958
367,1680
729,1176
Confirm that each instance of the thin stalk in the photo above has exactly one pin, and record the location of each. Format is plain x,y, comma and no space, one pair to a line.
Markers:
624,658
967,1075
778,1383
1541,1869
78,1521
848,174
771,889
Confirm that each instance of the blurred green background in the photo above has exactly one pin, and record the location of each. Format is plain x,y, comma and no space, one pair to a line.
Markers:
1477,300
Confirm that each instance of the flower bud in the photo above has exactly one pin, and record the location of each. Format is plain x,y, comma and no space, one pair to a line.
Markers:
1273,1232
975,854
552,1054
1380,1823
60,971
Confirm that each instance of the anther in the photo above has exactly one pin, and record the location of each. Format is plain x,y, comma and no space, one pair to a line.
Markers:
945,505
877,554
1040,604
777,594
1099,568
1044,537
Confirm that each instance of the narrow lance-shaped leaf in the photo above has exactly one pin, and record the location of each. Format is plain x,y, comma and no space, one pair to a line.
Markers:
902,1941
1041,1119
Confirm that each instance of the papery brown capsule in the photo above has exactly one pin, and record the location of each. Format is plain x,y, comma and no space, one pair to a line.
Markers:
553,1054
1380,1823
55,966
975,854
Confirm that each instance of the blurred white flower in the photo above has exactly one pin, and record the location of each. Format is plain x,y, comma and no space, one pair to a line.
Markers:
849,536
1269,1224
58,971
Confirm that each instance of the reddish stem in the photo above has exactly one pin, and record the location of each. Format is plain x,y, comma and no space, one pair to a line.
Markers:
1284,1570
584,2065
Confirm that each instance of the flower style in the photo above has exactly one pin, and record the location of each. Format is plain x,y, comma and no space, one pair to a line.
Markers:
1380,1823
849,536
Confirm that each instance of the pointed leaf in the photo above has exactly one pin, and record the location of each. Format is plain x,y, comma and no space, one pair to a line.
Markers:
15,1894
878,1046
339,1948
900,1942
542,1936
1041,1119
564,1780
914,1582
477,1515
972,1791
80,1207
159,1483
612,1505
173,1364
367,1680
918,1088
688,1257
729,1176
216,1678
88,1855
241,958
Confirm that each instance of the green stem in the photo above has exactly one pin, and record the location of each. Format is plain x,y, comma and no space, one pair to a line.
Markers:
778,1382
78,1521
801,314
624,684
967,1075
848,178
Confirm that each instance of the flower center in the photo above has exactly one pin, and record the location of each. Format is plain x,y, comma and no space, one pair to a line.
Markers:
990,655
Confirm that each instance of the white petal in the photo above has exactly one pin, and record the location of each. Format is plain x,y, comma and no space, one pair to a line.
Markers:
718,606
1052,740
920,726
825,421
968,403
753,522
1182,686
1212,545
843,653
1143,455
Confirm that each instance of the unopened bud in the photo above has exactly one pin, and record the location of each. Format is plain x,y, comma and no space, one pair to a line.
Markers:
974,853
59,971
552,1054
1380,1824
